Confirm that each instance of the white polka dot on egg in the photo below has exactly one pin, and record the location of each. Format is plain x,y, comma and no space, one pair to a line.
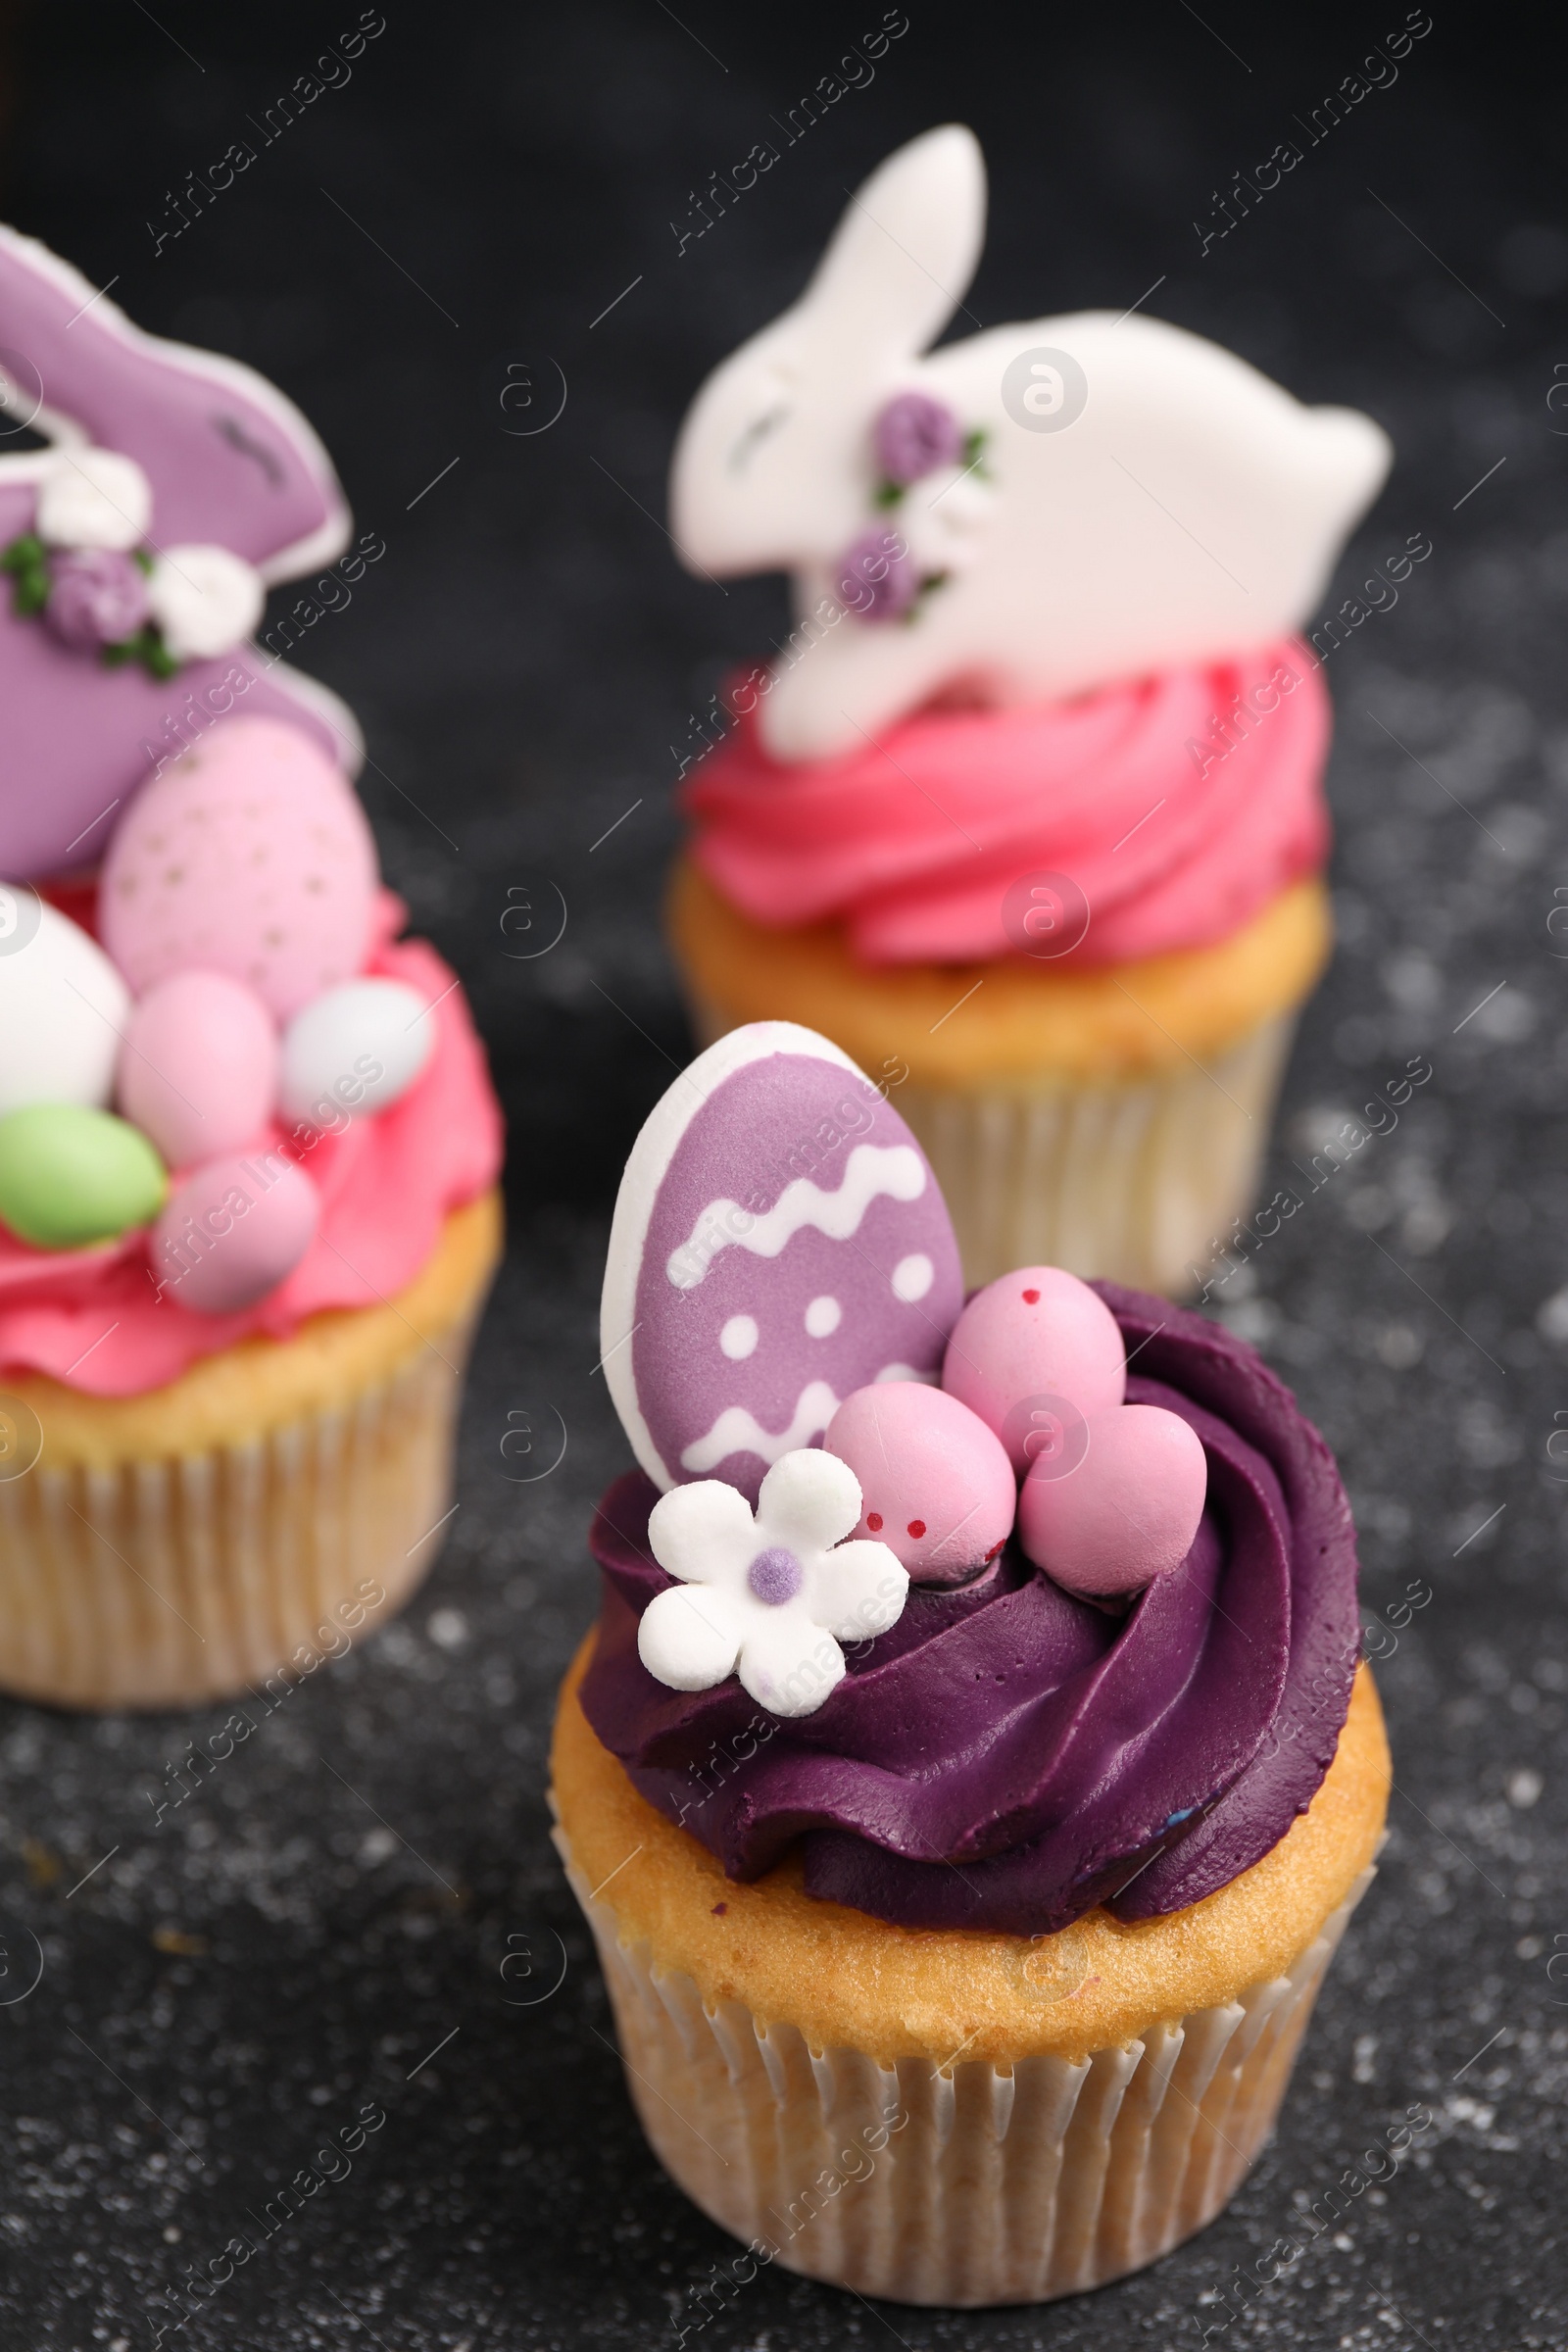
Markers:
823,1317
913,1277
739,1337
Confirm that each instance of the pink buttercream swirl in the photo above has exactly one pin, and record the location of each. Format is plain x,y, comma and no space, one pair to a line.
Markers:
1180,805
93,1319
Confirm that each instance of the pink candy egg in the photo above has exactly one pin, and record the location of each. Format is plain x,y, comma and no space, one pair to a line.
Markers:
198,1066
1127,1513
936,1485
1035,1339
249,856
232,1231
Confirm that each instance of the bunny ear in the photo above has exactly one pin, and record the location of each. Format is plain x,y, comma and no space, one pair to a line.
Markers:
231,460
904,254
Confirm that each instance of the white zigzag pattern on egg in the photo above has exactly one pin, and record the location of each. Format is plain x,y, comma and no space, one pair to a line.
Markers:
872,1170
737,1431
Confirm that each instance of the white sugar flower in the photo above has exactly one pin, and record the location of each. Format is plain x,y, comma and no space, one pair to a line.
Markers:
205,599
769,1597
93,497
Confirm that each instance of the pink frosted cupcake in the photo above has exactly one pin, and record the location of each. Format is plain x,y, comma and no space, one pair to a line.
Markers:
1028,814
248,1145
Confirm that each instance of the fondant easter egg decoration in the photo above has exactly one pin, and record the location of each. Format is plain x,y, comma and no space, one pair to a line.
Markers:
1037,1337
249,856
71,1176
62,1007
198,1069
231,1232
936,1485
778,1243
354,1051
1127,1512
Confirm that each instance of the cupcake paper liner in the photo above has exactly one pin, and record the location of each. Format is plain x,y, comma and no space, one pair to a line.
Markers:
965,2184
1132,1181
181,1578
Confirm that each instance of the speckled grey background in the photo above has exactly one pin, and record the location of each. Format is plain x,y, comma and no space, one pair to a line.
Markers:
287,1946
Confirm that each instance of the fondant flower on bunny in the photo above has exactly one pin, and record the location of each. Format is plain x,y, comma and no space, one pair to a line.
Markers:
93,497
205,599
83,567
912,435
94,597
174,488
770,1596
931,478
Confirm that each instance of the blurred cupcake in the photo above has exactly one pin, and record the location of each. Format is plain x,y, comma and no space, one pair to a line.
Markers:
963,1854
248,1146
1029,811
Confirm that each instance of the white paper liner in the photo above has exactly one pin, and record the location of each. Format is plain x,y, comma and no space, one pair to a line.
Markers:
1002,2184
184,1578
1129,1180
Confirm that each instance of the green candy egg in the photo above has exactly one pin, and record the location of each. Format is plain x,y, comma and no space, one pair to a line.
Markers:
70,1176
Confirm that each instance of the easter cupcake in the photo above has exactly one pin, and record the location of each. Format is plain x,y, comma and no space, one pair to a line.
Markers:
970,1774
248,1144
1028,814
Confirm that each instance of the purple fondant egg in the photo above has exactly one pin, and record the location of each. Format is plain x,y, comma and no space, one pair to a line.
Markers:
232,1231
198,1066
779,1242
1127,1513
936,1485
1039,1335
249,856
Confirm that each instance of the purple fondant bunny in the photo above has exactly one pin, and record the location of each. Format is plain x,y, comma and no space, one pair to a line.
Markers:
174,468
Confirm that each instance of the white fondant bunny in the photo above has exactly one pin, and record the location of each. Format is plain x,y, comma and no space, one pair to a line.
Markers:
1153,501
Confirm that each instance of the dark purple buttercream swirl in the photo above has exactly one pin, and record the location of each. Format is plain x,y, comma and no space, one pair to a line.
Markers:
1007,1756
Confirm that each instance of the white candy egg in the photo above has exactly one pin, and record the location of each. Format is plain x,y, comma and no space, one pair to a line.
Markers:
354,1051
63,1008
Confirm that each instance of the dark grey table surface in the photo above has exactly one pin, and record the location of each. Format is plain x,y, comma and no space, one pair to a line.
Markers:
494,186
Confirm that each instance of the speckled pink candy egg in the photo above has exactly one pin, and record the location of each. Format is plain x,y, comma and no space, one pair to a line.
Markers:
249,856
936,1485
1037,1334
